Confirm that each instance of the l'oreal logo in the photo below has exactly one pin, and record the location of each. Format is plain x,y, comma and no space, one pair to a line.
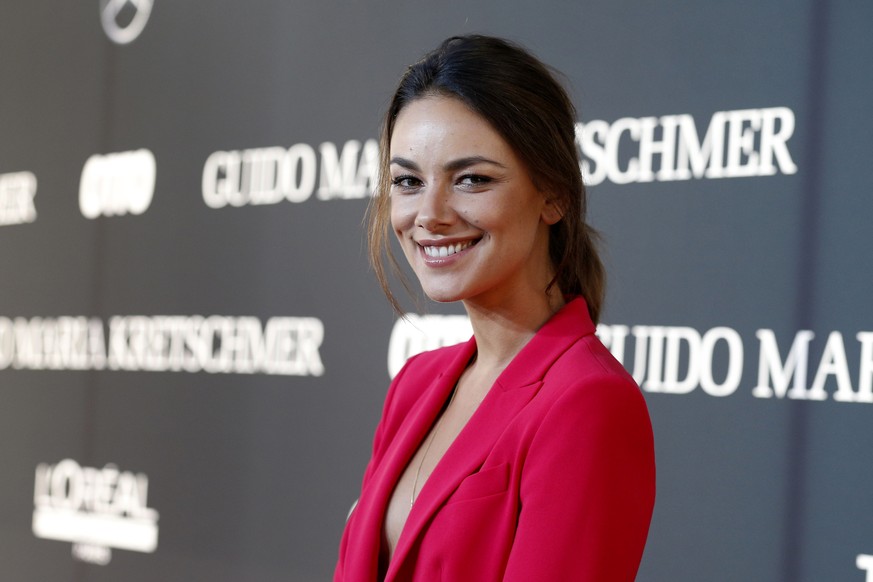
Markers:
97,507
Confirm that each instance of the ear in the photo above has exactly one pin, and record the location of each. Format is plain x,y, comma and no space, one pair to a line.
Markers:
552,212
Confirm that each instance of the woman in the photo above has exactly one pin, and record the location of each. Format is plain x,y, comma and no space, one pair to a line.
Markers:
526,453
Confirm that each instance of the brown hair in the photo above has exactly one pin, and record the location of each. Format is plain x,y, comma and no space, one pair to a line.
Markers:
520,97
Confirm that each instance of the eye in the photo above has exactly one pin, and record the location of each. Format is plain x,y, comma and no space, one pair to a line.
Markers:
405,182
474,180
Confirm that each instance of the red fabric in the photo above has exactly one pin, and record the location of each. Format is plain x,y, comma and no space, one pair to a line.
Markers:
552,479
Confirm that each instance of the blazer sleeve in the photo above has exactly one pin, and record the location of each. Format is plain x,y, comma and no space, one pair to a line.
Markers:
587,487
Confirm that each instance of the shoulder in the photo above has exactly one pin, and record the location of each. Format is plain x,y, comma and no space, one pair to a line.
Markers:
588,413
587,357
588,385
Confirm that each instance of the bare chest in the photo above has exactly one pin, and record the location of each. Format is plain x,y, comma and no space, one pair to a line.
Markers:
431,450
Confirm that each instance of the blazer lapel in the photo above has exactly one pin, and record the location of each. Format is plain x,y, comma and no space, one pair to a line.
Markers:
462,459
403,446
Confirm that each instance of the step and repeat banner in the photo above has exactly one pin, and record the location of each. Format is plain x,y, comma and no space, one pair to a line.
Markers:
194,352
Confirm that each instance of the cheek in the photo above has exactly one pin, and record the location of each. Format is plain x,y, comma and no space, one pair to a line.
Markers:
470,217
401,217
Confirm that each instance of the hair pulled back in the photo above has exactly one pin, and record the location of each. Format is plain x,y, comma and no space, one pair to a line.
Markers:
521,98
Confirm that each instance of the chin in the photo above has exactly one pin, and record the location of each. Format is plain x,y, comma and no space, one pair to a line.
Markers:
442,297
440,294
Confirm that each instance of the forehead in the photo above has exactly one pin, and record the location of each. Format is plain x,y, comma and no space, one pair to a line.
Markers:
440,125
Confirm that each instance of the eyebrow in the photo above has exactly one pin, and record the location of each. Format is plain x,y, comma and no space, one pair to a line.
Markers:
452,166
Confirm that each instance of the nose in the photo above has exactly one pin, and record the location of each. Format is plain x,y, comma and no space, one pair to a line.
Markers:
434,210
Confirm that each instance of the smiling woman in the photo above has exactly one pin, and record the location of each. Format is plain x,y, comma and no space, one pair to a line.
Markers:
525,453
470,221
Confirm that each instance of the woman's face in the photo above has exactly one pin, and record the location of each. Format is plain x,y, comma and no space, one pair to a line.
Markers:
470,221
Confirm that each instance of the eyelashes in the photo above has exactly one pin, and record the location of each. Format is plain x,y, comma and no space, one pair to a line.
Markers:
475,179
405,182
465,181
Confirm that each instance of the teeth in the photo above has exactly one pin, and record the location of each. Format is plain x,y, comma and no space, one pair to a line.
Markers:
446,250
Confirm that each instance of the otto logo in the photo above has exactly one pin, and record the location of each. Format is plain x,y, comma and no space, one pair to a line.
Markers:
124,20
16,198
270,175
414,334
96,509
865,562
117,184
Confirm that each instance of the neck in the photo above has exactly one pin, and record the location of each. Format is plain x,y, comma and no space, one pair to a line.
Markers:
502,331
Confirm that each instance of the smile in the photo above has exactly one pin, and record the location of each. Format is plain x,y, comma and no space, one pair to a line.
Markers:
442,251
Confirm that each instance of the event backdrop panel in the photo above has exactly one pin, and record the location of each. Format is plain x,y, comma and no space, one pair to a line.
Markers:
194,352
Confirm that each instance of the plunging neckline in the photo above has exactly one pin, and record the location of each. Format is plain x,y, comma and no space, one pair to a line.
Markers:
384,555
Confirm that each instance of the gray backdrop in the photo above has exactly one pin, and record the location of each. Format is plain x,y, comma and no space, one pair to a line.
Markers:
193,352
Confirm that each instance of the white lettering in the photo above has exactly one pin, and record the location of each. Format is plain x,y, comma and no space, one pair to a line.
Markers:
735,361
117,184
269,175
660,351
613,337
675,338
17,191
63,343
770,367
666,147
414,334
613,141
654,381
298,173
865,562
774,144
741,143
100,555
341,177
591,138
7,342
865,374
217,344
701,159
218,178
95,507
833,363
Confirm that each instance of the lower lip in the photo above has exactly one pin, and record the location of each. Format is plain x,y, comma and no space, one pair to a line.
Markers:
444,261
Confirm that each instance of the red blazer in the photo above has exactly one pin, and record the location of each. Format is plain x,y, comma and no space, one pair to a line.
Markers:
552,479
